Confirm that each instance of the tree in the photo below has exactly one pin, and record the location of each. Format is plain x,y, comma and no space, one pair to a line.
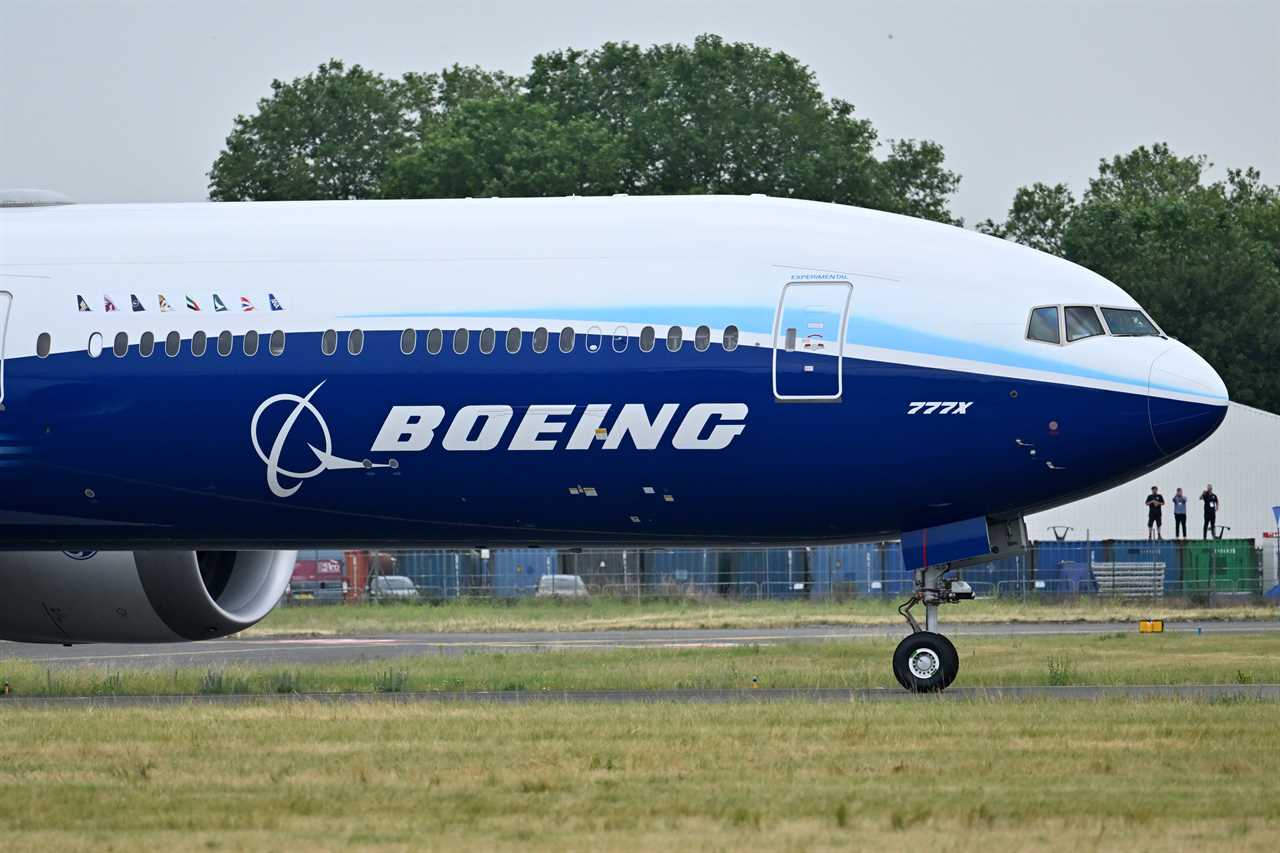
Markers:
711,117
1037,218
1204,259
329,134
507,147
719,117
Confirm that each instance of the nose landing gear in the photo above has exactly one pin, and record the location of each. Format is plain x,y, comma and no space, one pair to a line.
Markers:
926,661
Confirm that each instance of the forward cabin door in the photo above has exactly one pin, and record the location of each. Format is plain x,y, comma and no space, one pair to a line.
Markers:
6,299
808,340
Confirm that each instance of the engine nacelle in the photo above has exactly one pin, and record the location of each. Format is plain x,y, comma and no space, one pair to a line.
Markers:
137,596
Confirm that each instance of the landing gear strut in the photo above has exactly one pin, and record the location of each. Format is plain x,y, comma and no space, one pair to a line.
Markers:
925,661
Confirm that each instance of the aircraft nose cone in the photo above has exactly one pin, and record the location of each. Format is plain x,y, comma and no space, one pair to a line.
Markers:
1186,400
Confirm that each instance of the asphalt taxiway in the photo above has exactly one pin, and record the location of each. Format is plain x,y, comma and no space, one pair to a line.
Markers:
312,650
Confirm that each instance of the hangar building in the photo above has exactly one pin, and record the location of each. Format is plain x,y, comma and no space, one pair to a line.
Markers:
1241,460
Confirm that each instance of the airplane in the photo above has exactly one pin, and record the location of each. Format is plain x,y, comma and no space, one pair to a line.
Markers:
624,371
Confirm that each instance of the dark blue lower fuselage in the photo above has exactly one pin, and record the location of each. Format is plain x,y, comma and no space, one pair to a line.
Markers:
137,452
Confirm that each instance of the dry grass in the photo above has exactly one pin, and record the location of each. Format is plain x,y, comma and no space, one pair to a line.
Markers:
1127,658
608,613
1000,776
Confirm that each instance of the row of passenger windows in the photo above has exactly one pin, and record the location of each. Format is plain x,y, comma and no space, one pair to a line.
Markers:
435,341
1082,321
224,343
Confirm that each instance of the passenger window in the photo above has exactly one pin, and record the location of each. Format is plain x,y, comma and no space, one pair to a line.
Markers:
488,340
355,341
120,346
435,342
540,338
1044,325
199,343
461,340
251,343
702,338
647,337
329,342
146,344
620,339
226,341
172,343
566,339
408,341
1082,322
514,338
43,344
730,338
675,337
276,343
95,345
593,339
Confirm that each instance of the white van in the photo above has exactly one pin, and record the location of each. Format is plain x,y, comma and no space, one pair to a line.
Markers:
561,586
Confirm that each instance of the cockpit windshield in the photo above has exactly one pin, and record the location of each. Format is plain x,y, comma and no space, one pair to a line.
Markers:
1082,322
1129,322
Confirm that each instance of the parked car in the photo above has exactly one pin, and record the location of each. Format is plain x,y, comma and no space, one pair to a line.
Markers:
392,588
316,592
561,586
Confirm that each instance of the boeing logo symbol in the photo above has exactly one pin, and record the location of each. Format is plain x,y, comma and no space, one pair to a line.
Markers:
325,460
488,426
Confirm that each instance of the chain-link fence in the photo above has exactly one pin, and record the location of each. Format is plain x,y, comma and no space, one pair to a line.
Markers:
1121,568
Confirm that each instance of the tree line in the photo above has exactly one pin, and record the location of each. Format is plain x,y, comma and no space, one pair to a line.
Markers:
735,118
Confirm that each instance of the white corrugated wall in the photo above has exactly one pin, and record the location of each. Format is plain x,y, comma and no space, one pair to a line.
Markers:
1241,460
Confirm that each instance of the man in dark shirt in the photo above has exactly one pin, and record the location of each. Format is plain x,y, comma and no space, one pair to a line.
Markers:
1179,515
1210,501
1155,510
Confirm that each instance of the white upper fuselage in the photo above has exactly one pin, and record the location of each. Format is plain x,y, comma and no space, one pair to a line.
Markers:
923,292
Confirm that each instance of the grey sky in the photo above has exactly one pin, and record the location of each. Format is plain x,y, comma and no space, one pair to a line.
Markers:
131,101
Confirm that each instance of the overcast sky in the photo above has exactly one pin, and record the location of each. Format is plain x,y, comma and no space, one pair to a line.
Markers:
131,101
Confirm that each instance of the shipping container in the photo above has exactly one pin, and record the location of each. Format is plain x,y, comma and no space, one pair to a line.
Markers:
516,571
681,570
603,570
437,574
1221,565
786,573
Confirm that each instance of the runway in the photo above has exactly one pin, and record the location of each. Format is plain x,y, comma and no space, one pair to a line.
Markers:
312,650
1190,692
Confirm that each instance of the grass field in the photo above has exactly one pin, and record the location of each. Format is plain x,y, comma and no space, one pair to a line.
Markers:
1122,658
1000,776
605,613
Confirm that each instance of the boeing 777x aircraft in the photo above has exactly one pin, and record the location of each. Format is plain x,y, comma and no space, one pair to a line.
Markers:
188,391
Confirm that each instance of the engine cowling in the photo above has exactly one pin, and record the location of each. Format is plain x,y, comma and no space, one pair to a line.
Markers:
137,596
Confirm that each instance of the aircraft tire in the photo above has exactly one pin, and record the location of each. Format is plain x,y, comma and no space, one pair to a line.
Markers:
925,662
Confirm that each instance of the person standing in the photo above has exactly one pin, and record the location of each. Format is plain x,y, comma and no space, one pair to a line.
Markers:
1210,501
1155,512
1179,515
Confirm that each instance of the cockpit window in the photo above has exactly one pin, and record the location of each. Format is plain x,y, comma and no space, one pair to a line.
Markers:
1082,322
1044,325
1129,322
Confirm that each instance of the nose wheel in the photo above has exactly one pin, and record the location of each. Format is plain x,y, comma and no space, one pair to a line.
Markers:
925,661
